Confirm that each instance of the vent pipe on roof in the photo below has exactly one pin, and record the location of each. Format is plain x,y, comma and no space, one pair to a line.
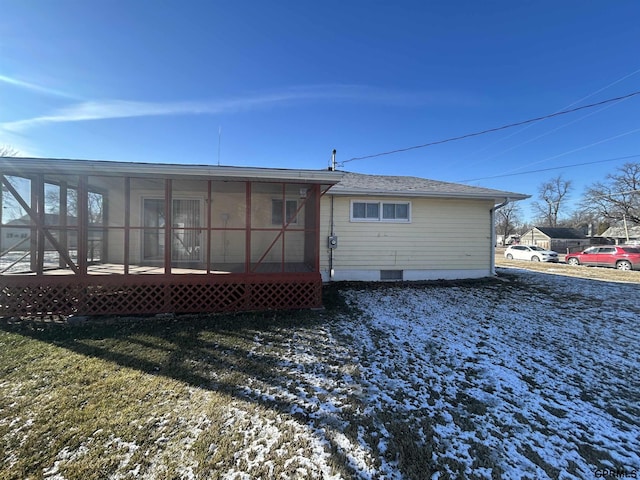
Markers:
332,167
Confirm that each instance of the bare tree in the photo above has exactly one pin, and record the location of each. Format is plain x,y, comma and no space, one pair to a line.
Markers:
8,204
507,220
553,196
618,196
8,151
586,221
95,203
52,196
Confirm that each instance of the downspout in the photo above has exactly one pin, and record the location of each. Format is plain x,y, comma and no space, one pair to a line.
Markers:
332,233
331,249
492,262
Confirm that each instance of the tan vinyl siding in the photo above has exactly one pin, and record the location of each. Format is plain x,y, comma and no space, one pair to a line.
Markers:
444,234
228,211
535,237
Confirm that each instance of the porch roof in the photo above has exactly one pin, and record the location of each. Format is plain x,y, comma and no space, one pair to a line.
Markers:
30,166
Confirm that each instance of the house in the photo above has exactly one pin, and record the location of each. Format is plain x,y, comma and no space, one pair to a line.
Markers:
558,239
134,238
408,228
510,240
16,234
620,234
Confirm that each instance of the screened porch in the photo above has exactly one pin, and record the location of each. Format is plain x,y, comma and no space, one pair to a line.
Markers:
79,238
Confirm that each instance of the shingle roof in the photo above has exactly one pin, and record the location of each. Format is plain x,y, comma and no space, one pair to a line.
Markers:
49,219
558,232
362,184
620,232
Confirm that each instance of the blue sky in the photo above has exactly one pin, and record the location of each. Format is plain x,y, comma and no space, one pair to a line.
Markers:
282,83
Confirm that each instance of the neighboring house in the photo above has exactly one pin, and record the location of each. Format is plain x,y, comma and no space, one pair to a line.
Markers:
510,240
408,228
620,234
193,238
16,234
558,239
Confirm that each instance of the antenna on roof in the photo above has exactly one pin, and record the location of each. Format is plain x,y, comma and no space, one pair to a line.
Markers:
332,167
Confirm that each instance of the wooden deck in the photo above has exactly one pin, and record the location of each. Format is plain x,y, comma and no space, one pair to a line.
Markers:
220,269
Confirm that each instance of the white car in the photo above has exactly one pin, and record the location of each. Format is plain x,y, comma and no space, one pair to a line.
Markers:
530,252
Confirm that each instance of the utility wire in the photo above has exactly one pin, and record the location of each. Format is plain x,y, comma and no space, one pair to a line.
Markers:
549,169
574,150
496,129
557,128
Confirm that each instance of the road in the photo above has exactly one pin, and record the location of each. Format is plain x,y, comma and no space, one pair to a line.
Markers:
561,268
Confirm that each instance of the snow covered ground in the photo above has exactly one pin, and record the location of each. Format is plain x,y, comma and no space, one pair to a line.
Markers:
535,377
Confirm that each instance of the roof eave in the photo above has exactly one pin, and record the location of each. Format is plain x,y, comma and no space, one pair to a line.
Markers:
18,166
452,195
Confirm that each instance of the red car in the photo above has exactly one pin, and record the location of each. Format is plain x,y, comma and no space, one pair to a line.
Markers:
624,257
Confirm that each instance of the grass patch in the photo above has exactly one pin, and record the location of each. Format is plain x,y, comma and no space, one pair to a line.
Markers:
136,396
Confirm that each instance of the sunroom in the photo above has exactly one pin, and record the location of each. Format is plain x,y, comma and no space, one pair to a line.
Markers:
94,238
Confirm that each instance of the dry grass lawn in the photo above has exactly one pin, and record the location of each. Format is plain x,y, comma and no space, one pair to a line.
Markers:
529,377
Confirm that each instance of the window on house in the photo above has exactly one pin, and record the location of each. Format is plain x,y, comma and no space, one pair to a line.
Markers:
276,211
366,210
380,211
395,211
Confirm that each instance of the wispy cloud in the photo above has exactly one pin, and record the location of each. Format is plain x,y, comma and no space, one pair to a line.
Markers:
111,109
16,82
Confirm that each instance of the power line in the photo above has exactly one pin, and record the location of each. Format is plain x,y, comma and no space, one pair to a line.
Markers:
549,169
496,129
557,128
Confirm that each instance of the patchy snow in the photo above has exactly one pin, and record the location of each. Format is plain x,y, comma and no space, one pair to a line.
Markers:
535,377
477,380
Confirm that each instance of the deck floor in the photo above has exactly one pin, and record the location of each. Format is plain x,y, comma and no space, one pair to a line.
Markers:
220,269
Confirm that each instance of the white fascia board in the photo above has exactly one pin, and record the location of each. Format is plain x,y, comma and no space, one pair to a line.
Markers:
499,196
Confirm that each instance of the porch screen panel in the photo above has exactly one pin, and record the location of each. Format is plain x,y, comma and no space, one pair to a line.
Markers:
228,227
266,228
147,223
15,230
311,234
106,216
186,231
266,251
228,251
189,223
262,197
186,234
295,252
12,213
154,216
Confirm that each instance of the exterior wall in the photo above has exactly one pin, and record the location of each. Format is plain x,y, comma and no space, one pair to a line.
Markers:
536,237
445,239
228,215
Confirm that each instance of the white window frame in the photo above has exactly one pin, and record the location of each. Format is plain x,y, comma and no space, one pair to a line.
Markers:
380,218
294,221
